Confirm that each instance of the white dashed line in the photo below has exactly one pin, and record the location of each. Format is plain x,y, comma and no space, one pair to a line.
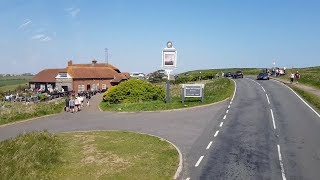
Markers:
216,134
188,179
263,89
230,102
274,124
221,124
225,116
227,111
268,98
199,161
209,145
229,107
281,164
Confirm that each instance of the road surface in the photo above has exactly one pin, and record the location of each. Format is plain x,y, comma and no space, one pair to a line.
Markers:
267,133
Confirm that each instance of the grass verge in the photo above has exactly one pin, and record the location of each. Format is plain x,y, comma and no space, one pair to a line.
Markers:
214,91
87,155
310,97
16,111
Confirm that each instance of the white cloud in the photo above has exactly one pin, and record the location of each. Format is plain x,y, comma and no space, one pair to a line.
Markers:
38,36
73,11
46,39
26,23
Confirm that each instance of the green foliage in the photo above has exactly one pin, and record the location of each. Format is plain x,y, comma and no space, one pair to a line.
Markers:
15,111
29,156
309,76
215,90
157,76
134,91
311,98
43,97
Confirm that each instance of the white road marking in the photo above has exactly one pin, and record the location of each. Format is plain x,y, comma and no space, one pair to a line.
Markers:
216,134
229,107
209,145
267,98
263,89
188,179
227,111
199,161
274,124
230,102
225,116
281,164
221,124
235,89
299,97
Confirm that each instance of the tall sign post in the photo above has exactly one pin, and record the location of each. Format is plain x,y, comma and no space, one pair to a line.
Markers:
169,62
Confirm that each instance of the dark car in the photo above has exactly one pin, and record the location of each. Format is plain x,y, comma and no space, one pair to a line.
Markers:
228,74
237,74
263,76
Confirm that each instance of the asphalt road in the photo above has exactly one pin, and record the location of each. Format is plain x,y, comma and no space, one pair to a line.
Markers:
240,138
268,133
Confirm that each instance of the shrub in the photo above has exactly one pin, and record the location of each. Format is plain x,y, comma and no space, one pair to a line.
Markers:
134,91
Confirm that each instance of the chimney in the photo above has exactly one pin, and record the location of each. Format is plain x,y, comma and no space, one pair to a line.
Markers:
94,61
70,63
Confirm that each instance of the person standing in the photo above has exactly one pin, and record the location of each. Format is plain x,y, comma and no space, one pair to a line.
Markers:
291,77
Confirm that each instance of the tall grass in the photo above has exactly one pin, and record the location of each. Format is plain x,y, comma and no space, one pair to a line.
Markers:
310,97
309,76
15,111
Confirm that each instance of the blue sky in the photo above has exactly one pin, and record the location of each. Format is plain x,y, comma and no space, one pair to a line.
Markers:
207,34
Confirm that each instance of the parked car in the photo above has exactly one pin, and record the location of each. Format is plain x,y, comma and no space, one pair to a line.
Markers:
227,74
237,74
263,76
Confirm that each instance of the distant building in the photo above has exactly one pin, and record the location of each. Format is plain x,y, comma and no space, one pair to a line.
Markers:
79,77
138,75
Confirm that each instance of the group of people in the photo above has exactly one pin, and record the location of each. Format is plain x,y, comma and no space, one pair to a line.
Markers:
75,103
295,76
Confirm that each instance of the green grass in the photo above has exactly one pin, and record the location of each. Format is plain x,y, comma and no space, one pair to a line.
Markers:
310,97
309,76
215,90
87,155
12,82
16,111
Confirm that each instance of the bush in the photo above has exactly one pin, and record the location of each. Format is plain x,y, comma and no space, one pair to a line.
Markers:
134,91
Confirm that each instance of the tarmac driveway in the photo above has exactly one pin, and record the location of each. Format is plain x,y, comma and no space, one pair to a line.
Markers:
181,127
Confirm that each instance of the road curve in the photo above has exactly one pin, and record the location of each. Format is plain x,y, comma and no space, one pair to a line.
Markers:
267,133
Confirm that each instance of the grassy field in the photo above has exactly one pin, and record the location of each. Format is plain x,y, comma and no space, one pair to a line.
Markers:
309,76
89,155
11,83
215,90
246,71
16,111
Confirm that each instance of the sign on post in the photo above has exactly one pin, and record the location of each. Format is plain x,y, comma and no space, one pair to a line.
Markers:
193,90
169,62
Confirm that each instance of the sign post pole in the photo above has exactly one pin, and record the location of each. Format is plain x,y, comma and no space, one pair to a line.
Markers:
169,62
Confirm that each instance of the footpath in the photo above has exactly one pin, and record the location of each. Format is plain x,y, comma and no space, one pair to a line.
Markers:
306,88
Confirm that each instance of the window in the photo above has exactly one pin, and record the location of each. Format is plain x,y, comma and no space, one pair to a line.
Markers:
80,88
104,86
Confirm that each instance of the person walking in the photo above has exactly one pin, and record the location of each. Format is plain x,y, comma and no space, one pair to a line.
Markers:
291,77
67,104
297,76
71,104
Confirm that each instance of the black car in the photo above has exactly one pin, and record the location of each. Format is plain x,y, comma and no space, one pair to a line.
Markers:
237,74
228,74
263,76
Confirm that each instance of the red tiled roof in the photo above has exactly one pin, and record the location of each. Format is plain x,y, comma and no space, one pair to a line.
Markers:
96,65
126,74
79,72
47,75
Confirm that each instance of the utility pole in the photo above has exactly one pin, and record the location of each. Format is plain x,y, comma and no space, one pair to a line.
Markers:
106,55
